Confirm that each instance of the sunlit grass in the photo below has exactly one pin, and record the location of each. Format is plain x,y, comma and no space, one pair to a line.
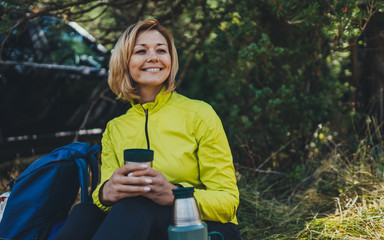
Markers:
341,198
358,218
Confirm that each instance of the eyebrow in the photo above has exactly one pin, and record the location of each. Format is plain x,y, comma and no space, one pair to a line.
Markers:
144,44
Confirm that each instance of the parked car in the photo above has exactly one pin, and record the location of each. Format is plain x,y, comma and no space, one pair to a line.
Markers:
51,77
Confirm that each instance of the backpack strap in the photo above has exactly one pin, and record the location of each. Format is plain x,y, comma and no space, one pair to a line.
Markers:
83,178
82,164
94,165
94,149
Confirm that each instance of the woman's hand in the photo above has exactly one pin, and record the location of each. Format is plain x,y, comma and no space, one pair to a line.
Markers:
161,189
123,184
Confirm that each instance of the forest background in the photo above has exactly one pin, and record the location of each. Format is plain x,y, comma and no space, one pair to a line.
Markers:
299,88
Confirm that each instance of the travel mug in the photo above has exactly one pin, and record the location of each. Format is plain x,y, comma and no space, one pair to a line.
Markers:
138,155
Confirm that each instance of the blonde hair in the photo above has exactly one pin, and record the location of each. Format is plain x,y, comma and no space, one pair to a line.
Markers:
119,78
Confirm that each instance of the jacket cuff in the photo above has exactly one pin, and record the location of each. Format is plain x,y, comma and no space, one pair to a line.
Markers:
96,199
184,184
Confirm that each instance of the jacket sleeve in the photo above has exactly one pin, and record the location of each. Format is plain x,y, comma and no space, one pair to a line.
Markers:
220,198
108,165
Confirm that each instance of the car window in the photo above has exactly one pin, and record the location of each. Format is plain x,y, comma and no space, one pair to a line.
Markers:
69,47
18,47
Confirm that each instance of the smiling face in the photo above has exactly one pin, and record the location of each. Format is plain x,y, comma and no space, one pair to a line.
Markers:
150,62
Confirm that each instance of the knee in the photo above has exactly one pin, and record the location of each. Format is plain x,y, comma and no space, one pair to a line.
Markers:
87,209
132,204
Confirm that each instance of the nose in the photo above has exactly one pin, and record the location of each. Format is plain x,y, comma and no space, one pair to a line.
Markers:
152,56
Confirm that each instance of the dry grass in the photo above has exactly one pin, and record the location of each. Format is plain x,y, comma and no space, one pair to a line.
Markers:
342,198
358,218
12,169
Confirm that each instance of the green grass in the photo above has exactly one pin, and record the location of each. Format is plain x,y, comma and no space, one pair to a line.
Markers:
340,197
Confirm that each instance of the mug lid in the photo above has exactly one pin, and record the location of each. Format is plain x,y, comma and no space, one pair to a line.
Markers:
138,155
183,192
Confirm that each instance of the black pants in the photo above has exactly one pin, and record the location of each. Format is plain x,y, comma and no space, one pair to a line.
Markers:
136,218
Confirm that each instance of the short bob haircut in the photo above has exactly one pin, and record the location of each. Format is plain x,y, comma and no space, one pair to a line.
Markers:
119,78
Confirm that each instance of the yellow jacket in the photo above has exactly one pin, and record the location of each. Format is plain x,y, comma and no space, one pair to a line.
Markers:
190,148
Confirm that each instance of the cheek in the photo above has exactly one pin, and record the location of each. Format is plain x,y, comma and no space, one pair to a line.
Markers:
134,73
167,61
132,62
133,67
135,61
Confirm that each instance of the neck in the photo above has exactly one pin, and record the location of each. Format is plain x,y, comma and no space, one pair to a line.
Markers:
148,93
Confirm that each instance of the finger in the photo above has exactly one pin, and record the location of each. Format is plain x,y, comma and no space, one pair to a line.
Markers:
149,195
122,195
158,188
145,172
127,168
132,180
126,195
128,189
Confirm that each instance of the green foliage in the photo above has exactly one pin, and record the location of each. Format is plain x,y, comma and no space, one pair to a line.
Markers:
269,67
280,75
270,78
275,70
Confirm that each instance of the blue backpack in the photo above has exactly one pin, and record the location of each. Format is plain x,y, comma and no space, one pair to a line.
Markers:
44,193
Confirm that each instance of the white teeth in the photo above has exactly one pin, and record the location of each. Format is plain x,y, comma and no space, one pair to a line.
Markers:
152,69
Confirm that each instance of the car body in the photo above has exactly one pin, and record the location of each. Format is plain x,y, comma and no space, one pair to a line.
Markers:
53,79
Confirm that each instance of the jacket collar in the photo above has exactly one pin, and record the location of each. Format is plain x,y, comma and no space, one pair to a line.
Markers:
160,100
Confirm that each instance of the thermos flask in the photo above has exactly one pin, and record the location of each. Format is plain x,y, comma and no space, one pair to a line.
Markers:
187,224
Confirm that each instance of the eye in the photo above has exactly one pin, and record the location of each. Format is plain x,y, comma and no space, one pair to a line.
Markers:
160,50
140,51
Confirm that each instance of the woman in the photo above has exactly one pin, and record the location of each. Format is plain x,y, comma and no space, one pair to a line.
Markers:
188,140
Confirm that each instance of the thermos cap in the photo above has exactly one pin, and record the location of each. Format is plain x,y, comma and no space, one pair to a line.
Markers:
184,192
138,155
